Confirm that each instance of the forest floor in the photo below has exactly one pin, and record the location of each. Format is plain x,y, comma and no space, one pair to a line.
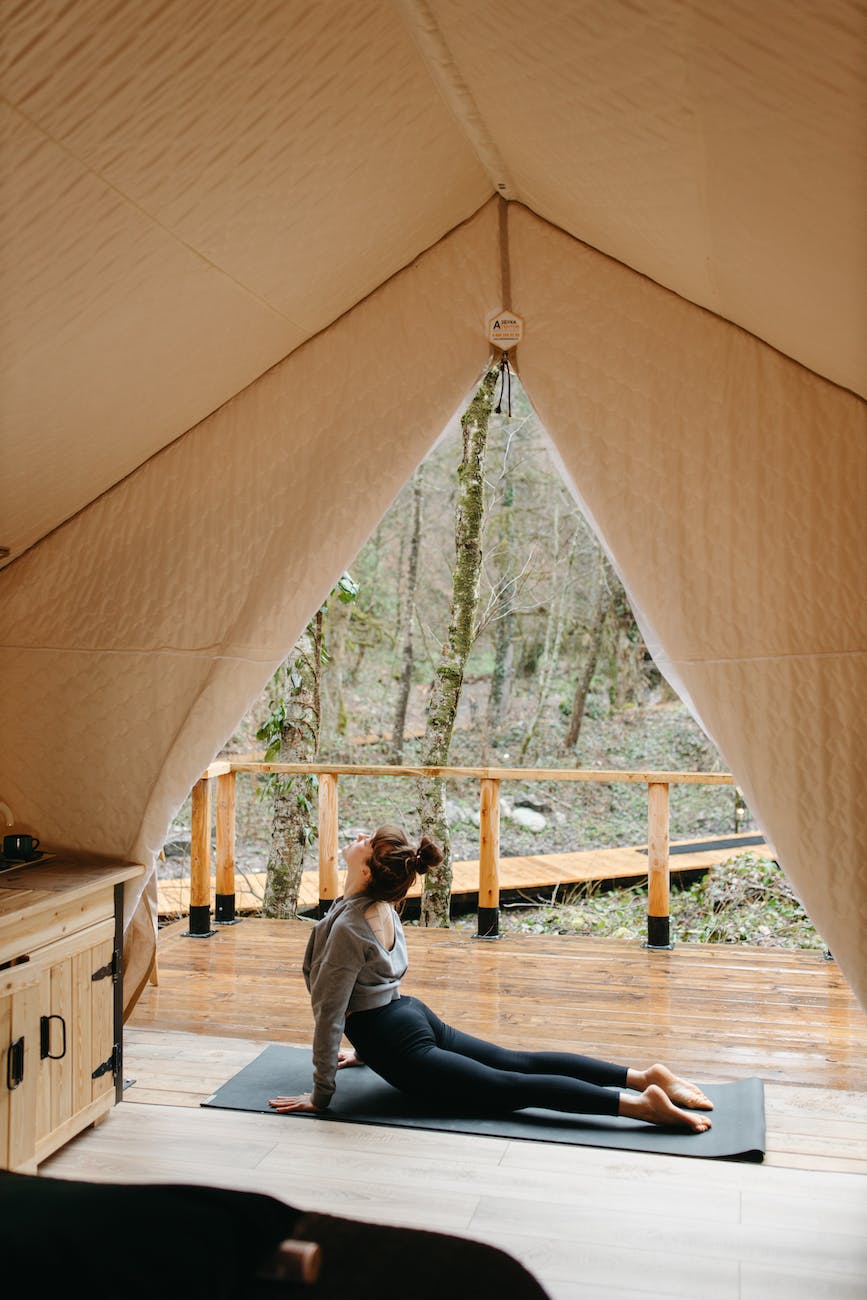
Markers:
746,899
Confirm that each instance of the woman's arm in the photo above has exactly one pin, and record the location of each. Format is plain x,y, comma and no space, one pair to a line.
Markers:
332,989
333,971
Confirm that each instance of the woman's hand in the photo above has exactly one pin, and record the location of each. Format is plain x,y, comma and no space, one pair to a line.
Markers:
346,1057
283,1105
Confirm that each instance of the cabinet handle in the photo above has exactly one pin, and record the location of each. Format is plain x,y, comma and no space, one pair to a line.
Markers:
15,1064
45,1038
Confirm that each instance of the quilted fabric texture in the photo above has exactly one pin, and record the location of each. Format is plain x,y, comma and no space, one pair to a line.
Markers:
195,189
192,189
728,484
138,634
246,264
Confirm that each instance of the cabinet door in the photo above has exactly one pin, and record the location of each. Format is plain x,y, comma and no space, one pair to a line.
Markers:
19,1062
76,1029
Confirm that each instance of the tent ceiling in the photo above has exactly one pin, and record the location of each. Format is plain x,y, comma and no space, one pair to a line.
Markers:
195,189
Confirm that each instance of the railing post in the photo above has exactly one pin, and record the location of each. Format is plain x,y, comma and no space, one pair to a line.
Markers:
658,920
329,881
200,862
489,859
224,902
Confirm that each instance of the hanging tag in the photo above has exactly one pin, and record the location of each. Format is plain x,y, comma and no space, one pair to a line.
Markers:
505,378
505,329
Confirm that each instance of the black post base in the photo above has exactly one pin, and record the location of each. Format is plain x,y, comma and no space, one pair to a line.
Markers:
323,907
659,933
200,923
489,923
224,910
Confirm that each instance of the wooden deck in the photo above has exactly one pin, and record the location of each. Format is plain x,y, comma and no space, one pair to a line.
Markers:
586,1221
528,877
719,1012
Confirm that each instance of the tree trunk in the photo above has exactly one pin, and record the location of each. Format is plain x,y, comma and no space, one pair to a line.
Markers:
335,715
503,669
448,678
504,627
628,652
588,667
295,698
553,633
408,617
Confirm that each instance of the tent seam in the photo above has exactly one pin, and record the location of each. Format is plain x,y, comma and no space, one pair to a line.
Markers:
153,220
160,451
453,90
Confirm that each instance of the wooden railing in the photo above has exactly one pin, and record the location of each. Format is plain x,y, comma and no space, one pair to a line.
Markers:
223,774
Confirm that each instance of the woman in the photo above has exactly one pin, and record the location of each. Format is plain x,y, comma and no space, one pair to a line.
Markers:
355,960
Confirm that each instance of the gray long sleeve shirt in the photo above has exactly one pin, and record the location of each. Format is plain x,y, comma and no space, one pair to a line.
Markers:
346,969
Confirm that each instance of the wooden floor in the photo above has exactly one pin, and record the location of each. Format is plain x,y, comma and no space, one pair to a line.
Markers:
529,876
586,1221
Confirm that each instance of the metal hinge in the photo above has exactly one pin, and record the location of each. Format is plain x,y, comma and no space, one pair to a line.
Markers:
112,1063
110,969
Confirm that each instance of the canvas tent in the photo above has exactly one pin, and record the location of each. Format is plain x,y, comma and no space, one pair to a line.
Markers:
248,254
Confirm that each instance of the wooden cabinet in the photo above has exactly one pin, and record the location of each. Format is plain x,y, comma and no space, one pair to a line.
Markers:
61,1004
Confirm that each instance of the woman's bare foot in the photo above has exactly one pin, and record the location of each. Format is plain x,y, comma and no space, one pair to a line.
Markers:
656,1107
680,1091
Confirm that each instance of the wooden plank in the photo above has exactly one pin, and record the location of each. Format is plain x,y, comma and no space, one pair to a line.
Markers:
81,1027
328,884
225,834
724,1011
200,844
60,1070
61,896
657,851
51,1142
102,1017
67,875
19,1018
489,844
37,929
607,776
12,900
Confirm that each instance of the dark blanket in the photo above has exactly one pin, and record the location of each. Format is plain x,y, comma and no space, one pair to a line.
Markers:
147,1241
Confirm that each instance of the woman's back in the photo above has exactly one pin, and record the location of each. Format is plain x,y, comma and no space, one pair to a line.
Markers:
380,918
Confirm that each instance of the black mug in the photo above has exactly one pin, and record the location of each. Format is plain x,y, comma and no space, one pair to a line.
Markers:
20,846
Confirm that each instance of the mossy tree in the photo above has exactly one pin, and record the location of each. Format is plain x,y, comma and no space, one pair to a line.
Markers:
592,645
292,733
448,676
406,620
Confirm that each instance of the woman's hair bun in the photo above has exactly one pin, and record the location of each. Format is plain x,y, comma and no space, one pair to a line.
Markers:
428,855
394,863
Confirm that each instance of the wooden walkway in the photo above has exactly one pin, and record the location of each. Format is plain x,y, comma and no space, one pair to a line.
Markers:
529,877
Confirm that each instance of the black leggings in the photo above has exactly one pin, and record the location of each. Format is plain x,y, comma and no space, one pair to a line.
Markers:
406,1044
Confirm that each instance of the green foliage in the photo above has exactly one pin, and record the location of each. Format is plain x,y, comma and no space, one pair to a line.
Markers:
271,731
746,899
272,728
347,589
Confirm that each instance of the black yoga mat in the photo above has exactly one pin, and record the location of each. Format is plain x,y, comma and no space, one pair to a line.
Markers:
738,1131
